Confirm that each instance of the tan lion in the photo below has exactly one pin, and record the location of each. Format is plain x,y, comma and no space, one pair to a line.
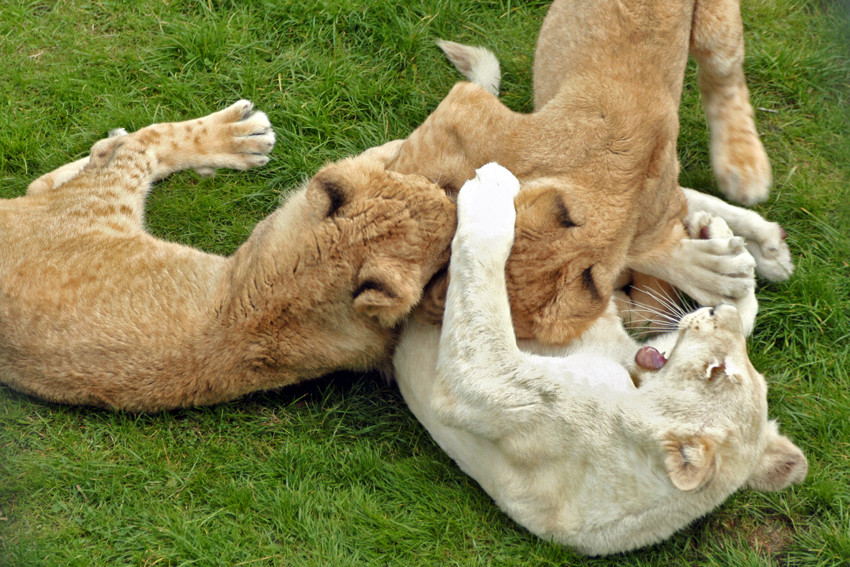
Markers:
94,310
597,159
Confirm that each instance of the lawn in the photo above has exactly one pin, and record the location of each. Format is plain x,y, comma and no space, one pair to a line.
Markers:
337,472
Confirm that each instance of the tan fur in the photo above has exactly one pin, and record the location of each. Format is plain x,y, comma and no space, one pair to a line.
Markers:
94,310
597,159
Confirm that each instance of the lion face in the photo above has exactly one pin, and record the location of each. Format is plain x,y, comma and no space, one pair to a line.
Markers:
718,400
558,274
394,229
333,272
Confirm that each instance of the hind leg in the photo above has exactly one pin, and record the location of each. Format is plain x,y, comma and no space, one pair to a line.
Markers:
59,176
737,155
120,170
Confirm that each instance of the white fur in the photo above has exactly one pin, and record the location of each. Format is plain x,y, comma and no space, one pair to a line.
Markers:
765,240
567,445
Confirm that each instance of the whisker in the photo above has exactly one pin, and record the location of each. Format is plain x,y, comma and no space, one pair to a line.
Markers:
662,297
674,308
663,314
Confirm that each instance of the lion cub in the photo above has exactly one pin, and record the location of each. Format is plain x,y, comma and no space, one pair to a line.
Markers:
566,444
597,158
94,310
645,300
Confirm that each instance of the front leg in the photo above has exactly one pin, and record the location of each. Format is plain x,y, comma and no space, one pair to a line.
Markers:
234,138
737,154
710,264
704,225
482,381
711,271
120,169
765,240
61,175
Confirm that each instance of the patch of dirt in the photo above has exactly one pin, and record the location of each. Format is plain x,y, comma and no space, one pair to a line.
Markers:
770,536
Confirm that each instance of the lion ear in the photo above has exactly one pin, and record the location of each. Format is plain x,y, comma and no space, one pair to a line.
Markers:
335,185
691,461
781,465
430,309
386,290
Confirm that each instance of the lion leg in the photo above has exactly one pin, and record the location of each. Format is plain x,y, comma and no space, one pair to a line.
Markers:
59,176
708,262
122,168
50,181
765,239
737,154
712,268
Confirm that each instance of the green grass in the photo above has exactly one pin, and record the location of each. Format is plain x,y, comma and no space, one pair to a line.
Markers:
337,472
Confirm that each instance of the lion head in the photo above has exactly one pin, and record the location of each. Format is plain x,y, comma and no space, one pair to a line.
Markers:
328,277
561,270
714,432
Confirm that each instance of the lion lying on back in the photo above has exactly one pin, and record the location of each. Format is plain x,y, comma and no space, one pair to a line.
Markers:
94,310
566,444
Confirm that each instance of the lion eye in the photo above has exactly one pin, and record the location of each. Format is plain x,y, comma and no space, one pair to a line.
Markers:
336,196
589,284
372,285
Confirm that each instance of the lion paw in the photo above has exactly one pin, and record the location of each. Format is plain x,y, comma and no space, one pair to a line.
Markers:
765,241
741,165
486,214
703,225
771,252
715,266
234,138
707,227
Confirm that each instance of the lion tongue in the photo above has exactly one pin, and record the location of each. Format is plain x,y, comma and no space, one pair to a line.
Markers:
649,358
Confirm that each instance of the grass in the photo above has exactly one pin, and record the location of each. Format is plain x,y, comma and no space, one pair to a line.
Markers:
337,472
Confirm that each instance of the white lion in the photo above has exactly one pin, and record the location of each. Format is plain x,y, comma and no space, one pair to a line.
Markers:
566,444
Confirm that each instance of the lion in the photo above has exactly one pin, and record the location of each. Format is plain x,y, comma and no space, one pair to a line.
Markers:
96,311
597,159
604,445
645,302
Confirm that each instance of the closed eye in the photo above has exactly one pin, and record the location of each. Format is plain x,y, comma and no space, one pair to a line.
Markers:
564,217
372,285
589,284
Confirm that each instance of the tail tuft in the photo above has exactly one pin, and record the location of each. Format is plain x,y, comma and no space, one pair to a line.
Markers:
477,64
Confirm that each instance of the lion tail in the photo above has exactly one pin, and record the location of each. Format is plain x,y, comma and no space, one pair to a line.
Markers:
478,64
